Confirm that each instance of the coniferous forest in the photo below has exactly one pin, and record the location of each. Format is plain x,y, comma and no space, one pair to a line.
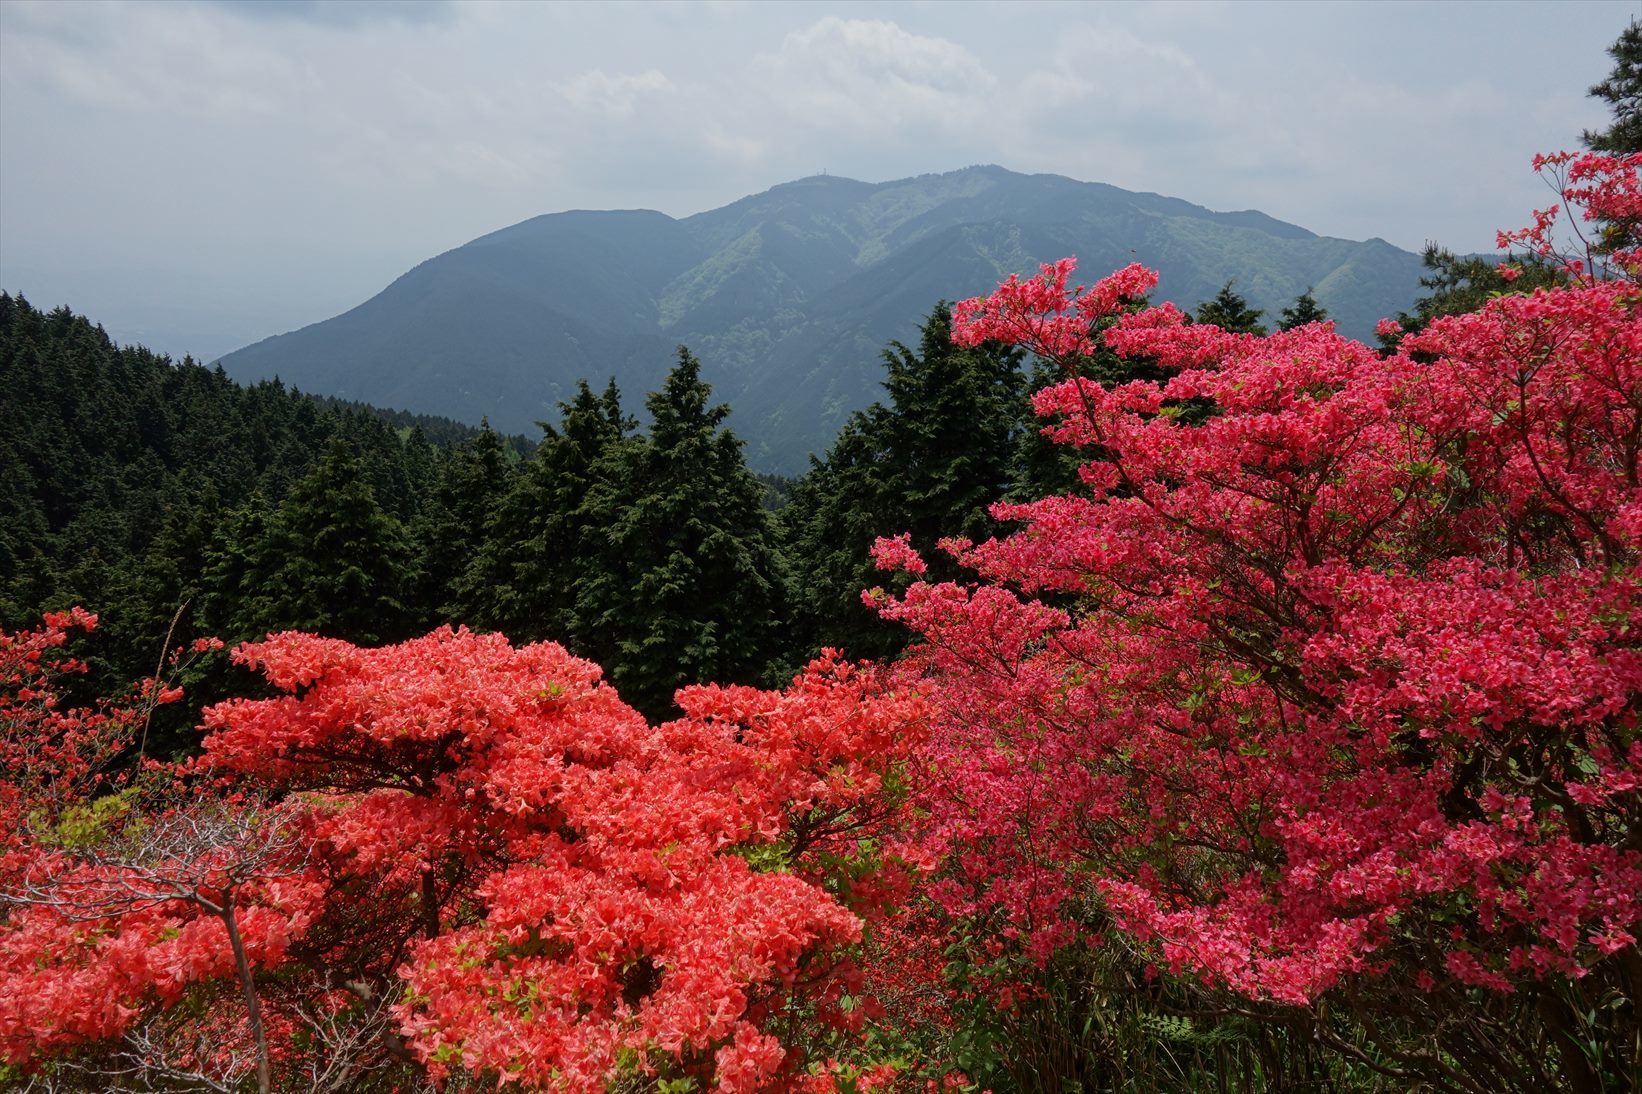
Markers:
182,503
1127,700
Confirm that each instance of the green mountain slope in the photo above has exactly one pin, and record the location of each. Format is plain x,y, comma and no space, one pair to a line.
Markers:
787,296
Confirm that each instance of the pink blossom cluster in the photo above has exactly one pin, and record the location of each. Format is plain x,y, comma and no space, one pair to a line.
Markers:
1346,675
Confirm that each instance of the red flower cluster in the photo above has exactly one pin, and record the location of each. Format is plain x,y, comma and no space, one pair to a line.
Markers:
1345,676
562,894
1605,189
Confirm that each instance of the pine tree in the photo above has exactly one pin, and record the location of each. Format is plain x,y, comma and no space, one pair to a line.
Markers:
836,512
169,575
681,581
237,577
453,527
929,461
1622,91
1230,312
24,516
1305,309
525,576
337,564
161,605
1457,286
105,451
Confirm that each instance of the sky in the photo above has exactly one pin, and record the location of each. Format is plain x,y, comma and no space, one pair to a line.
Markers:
200,174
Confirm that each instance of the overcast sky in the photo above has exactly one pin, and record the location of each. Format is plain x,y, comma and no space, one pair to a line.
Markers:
197,175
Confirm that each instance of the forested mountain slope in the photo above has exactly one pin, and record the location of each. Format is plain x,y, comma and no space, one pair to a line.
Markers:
786,296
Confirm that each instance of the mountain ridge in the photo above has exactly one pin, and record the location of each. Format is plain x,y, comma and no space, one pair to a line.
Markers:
788,296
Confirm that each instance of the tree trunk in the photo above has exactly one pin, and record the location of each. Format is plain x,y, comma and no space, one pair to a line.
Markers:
265,1080
430,905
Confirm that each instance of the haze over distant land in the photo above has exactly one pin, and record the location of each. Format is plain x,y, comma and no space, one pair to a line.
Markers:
787,296
201,175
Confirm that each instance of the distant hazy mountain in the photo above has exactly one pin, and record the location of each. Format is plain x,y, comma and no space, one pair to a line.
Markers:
788,297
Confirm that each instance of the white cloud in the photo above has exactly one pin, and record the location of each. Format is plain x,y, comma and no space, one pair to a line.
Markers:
181,61
735,147
871,77
614,95
848,51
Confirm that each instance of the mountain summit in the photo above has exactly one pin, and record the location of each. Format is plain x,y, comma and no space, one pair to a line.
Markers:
788,296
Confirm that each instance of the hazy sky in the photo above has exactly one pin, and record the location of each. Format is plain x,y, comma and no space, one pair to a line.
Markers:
197,174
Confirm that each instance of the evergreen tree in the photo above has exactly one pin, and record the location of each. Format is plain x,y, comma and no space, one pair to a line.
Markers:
681,582
1622,91
836,512
929,461
525,576
23,531
453,527
1305,309
1457,285
337,564
161,597
169,575
1230,312
236,579
131,483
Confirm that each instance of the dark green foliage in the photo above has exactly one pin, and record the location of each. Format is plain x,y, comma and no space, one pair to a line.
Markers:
331,561
136,485
835,513
1457,284
1229,311
233,586
440,432
682,580
1622,91
1094,1021
23,531
160,493
523,580
652,555
169,574
1042,467
1305,309
929,462
777,490
451,531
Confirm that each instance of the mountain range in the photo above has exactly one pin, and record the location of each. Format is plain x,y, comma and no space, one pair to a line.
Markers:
788,296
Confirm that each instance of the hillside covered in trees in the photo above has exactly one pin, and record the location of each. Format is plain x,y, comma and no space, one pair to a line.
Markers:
787,296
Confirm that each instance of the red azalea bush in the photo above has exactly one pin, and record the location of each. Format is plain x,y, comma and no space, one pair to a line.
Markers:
1340,685
558,894
118,896
55,758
